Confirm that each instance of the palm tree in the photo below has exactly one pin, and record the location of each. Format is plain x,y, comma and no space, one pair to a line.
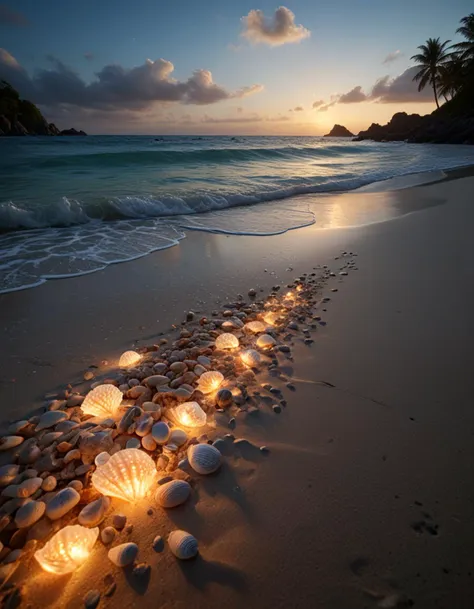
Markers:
451,77
434,55
465,49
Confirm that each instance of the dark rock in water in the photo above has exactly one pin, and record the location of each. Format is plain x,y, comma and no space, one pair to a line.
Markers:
339,131
72,132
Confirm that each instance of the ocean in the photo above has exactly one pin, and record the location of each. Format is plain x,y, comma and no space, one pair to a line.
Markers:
73,205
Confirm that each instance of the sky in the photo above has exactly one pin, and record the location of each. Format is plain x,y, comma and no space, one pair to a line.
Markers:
221,66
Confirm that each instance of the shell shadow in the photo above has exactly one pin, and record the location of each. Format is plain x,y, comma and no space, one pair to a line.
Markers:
139,583
248,451
187,517
200,573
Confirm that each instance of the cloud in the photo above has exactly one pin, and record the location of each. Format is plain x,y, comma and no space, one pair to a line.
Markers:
400,89
392,57
116,87
11,17
354,96
277,30
298,109
89,56
318,104
326,107
252,118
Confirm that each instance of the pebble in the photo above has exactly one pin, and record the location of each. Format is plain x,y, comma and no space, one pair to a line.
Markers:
62,503
291,386
91,599
49,483
142,570
51,418
178,437
133,443
160,432
94,513
149,443
119,521
158,544
8,442
101,459
76,485
108,535
264,449
224,398
123,554
29,513
276,408
88,375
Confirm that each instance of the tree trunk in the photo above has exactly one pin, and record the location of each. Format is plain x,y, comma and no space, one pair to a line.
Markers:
433,82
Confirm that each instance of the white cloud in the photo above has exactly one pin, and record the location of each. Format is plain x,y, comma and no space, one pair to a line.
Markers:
392,57
277,30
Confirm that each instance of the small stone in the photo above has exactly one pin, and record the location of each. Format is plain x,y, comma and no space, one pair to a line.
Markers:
88,375
49,483
109,591
276,408
119,521
141,570
108,535
232,423
264,449
224,398
133,443
94,513
91,599
50,418
124,554
160,432
62,503
149,443
291,386
76,485
252,292
284,349
158,544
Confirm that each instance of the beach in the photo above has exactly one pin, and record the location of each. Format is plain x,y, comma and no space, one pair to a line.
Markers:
365,497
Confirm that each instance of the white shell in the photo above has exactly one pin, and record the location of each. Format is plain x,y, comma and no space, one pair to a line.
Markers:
251,358
172,493
68,549
128,475
102,458
190,414
271,318
204,458
124,554
265,341
62,503
183,545
160,432
255,326
29,513
178,436
8,442
149,443
210,381
129,358
51,418
227,341
94,513
103,401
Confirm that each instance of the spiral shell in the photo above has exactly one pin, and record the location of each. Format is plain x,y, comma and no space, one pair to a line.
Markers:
210,381
128,475
124,554
265,341
103,401
129,358
204,458
251,358
68,549
183,545
227,341
255,327
172,494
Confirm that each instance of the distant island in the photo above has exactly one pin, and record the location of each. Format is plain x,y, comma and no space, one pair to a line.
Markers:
339,131
21,117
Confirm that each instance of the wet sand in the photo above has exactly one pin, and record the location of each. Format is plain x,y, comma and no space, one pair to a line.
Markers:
366,498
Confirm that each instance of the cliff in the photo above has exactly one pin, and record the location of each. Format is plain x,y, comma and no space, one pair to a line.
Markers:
339,131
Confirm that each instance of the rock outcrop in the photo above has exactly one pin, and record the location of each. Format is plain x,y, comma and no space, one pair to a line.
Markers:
72,132
339,131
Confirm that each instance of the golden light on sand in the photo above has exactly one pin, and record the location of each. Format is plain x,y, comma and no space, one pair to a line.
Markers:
210,381
271,318
227,341
190,414
290,296
250,358
128,475
255,326
67,550
103,401
129,358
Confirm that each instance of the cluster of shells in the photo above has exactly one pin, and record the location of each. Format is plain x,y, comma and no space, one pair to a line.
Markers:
56,474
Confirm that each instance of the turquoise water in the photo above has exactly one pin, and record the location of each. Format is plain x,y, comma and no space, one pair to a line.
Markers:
73,205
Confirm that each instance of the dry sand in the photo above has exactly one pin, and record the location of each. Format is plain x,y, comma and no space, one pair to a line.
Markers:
366,497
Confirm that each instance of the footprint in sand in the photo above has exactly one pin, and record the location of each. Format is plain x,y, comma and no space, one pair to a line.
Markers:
426,525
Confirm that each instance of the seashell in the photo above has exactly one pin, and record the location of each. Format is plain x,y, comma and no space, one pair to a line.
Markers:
144,425
183,545
108,535
8,473
251,358
101,458
50,419
29,513
30,486
67,550
204,458
49,484
133,443
265,341
94,513
128,359
190,414
172,493
103,401
178,436
62,503
255,327
128,475
160,432
8,442
124,554
149,443
227,341
271,318
210,381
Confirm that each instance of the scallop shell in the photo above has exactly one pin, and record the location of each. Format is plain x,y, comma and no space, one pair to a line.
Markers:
124,554
8,442
129,358
251,358
190,414
94,513
183,545
103,401
128,475
160,432
210,381
178,436
173,493
68,549
29,513
227,341
62,503
204,458
265,341
51,418
255,327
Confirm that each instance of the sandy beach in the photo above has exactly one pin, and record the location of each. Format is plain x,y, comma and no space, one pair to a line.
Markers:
366,496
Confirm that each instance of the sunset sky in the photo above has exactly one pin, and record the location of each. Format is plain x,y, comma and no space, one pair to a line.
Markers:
220,66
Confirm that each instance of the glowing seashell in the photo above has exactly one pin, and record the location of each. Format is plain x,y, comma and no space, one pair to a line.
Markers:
255,326
210,381
103,401
67,550
265,341
190,414
183,545
128,475
227,341
124,554
271,318
251,358
172,493
204,458
129,358
228,325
